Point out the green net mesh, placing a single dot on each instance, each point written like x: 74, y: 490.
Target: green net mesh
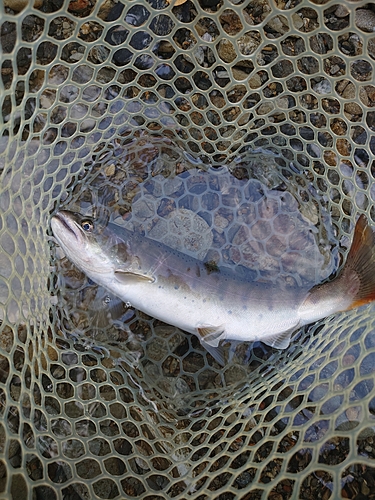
x: 165, y: 112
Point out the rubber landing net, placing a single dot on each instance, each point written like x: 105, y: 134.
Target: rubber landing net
x: 191, y: 121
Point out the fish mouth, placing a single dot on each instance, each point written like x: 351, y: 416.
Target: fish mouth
x: 65, y: 219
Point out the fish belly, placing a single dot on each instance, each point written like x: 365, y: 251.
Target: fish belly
x: 238, y: 319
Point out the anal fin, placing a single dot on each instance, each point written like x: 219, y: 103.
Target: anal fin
x: 216, y: 352
x: 280, y: 340
x: 210, y: 337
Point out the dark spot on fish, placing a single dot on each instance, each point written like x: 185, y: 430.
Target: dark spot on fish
x: 197, y: 271
x: 244, y: 308
x: 178, y: 282
x: 229, y: 312
x: 122, y: 251
x: 211, y: 267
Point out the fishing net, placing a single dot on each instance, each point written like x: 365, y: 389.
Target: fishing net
x: 239, y: 132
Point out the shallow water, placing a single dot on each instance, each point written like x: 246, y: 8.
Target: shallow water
x: 246, y: 216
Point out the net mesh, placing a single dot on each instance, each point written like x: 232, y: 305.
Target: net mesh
x: 126, y: 105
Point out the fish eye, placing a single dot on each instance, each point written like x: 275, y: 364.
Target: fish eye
x: 87, y: 226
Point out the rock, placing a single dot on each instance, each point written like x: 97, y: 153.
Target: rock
x: 184, y: 230
x: 365, y: 20
x: 341, y: 11
x: 18, y: 5
x: 78, y: 5
x: 226, y: 51
x: 145, y: 207
x: 297, y: 21
x: 323, y: 87
x: 279, y: 24
x: 349, y: 91
x: 248, y: 43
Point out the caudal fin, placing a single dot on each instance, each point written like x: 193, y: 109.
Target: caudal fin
x: 360, y: 263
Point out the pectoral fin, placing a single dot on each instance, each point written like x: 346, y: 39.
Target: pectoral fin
x: 111, y: 311
x: 129, y: 277
x: 209, y: 337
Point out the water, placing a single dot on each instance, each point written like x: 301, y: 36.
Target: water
x: 246, y: 216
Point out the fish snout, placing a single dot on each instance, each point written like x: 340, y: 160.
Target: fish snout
x: 64, y: 226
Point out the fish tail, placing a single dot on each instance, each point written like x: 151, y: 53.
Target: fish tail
x: 359, y: 270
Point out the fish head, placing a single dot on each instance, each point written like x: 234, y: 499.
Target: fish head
x: 87, y: 244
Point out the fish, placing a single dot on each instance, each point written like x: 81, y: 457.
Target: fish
x: 214, y: 303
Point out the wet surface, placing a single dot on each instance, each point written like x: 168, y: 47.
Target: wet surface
x: 265, y: 230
